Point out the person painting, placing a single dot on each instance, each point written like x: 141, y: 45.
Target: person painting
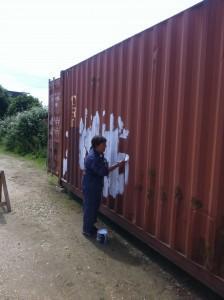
x: 96, y: 167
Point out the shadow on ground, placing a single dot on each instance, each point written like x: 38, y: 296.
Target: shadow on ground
x: 120, y: 252
x: 181, y: 276
x: 2, y: 217
x: 117, y: 251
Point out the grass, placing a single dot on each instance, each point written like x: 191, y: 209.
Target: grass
x: 39, y: 162
x: 53, y: 180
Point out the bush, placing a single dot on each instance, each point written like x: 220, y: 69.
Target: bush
x: 26, y: 132
x: 4, y: 102
x: 22, y: 103
x: 5, y: 124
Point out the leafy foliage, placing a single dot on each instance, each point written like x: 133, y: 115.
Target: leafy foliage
x: 4, y: 102
x: 27, y: 132
x: 22, y: 103
x: 23, y: 124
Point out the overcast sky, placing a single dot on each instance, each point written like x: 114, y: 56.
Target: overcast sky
x: 42, y: 37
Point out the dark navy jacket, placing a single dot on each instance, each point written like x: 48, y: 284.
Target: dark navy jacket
x: 96, y: 167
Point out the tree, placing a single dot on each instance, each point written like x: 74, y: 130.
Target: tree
x: 22, y: 103
x: 4, y: 102
x: 26, y: 132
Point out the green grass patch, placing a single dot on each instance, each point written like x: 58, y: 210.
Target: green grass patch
x: 53, y: 180
x: 39, y: 162
x: 2, y: 150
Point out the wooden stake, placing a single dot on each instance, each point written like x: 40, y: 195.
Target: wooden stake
x: 3, y: 188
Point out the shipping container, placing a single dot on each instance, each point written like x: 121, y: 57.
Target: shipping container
x: 157, y: 97
x: 54, y: 126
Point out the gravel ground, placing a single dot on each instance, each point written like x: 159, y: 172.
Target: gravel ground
x: 43, y: 254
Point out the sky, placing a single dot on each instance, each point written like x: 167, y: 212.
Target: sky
x: 41, y: 38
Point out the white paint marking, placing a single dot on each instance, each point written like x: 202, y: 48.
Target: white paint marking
x: 113, y: 184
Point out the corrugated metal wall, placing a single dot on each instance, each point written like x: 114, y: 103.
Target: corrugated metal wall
x: 54, y: 127
x: 166, y: 84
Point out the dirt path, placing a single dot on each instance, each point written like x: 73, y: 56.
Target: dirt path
x: 43, y: 254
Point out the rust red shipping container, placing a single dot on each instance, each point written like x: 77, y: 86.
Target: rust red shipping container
x: 159, y: 97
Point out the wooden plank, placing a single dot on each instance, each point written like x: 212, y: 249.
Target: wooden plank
x: 6, y: 194
x: 0, y: 187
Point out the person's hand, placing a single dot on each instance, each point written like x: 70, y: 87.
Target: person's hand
x: 121, y: 163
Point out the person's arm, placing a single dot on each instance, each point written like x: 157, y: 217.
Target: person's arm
x: 98, y: 166
x: 118, y: 164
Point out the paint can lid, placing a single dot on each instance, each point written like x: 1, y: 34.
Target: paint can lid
x: 103, y: 231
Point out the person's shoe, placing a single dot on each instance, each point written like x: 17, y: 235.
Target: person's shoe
x: 92, y: 233
x: 95, y: 229
x: 87, y: 234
